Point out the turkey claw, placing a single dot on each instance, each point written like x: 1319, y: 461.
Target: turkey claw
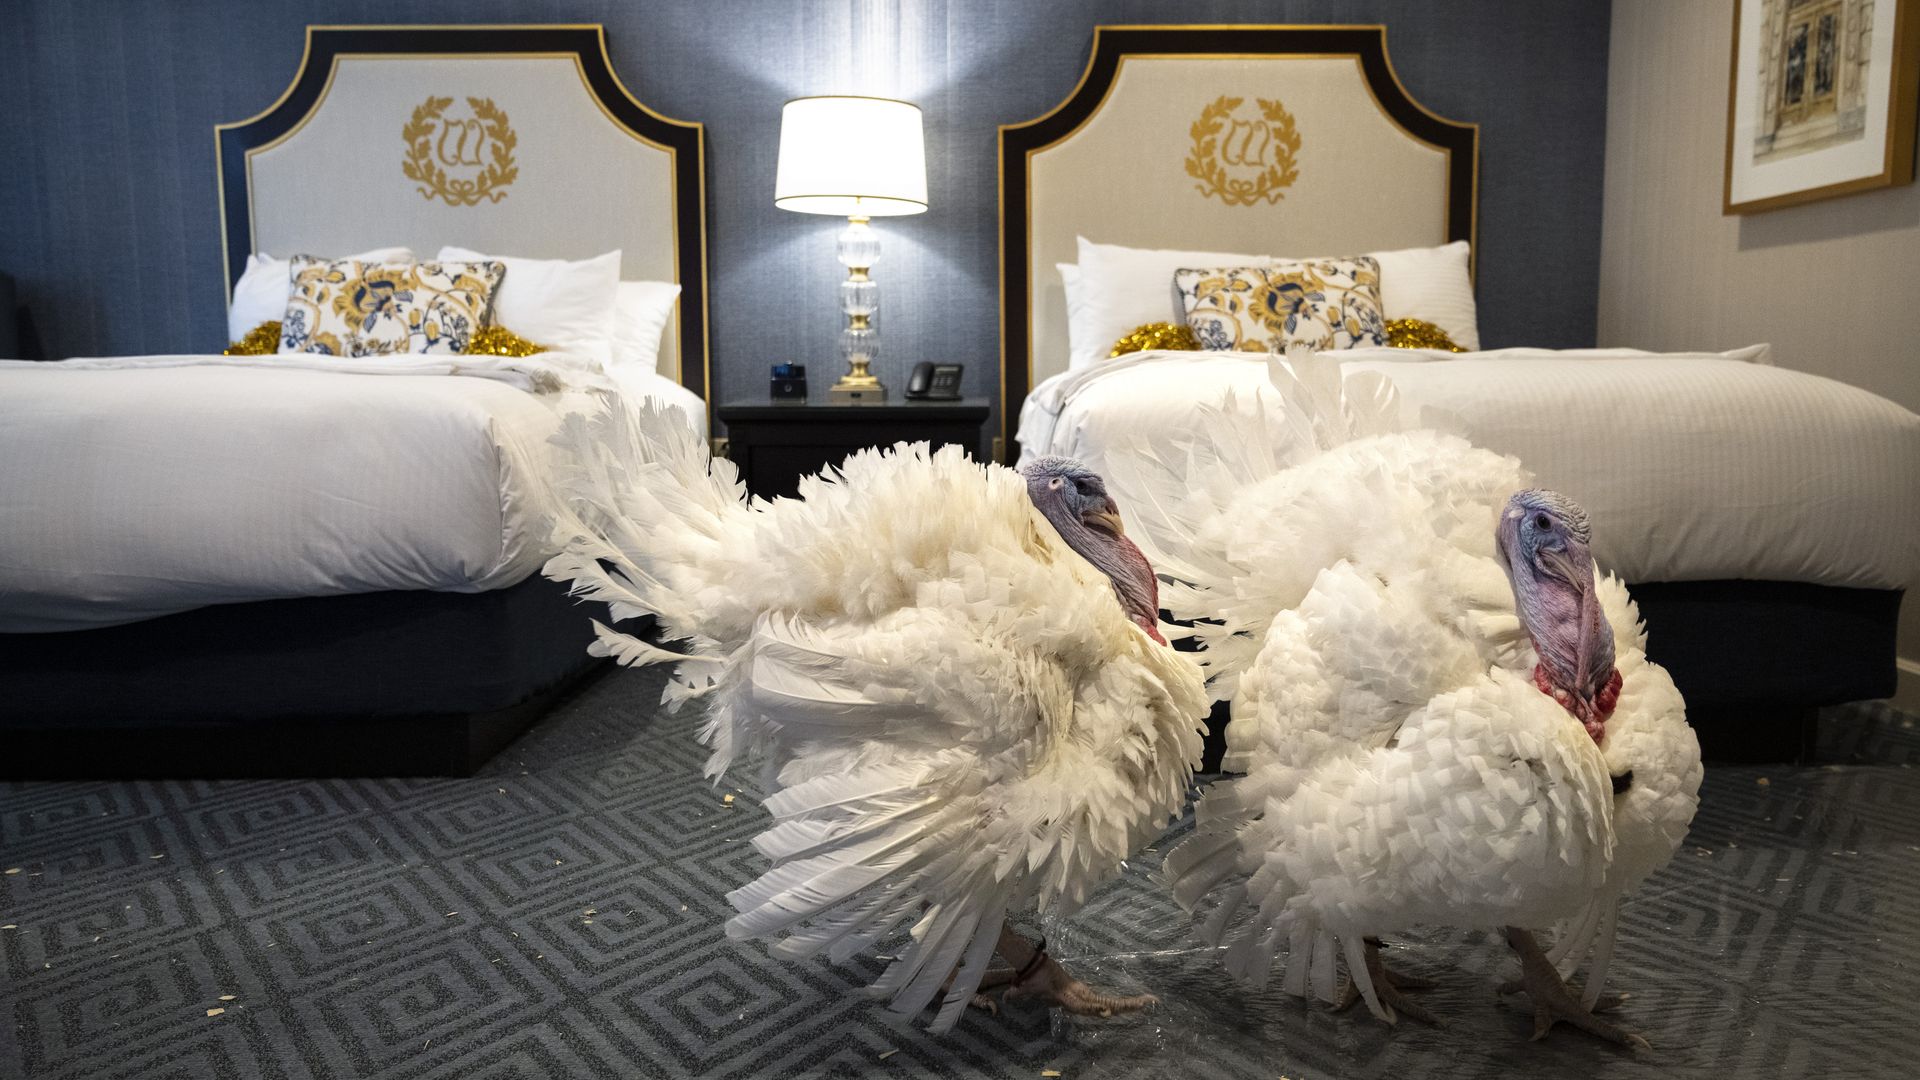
x: 986, y: 1002
x: 1608, y: 1002
x: 1051, y: 983
x: 1552, y: 1005
x: 1554, y: 1001
x: 1546, y: 1015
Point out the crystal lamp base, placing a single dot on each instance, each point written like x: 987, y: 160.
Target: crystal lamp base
x: 858, y: 250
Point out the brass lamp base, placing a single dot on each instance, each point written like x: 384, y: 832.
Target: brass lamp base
x: 858, y: 385
x: 849, y: 392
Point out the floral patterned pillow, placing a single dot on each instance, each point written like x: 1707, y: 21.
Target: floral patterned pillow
x: 350, y: 308
x: 1323, y: 303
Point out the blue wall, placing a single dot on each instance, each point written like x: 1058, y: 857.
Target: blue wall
x: 107, y: 200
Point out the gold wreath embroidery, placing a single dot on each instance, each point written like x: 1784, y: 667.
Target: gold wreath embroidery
x: 1274, y: 137
x: 486, y: 141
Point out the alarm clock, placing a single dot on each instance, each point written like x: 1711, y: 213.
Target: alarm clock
x: 789, y: 382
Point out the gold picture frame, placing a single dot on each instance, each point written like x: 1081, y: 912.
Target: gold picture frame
x: 1825, y: 103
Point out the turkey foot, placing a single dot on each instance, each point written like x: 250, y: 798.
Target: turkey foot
x: 1037, y: 975
x: 1553, y: 1001
x: 1387, y: 986
x: 982, y: 1000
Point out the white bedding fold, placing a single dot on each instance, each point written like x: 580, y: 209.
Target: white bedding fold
x: 1693, y: 466
x: 137, y: 487
x: 542, y: 373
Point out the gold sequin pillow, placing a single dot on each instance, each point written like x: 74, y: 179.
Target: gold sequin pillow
x: 1155, y: 335
x: 262, y: 340
x: 1419, y: 334
x: 500, y: 341
x: 1323, y: 303
x: 350, y: 308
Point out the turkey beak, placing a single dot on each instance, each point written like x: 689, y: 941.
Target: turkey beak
x: 1560, y: 564
x: 1107, y: 520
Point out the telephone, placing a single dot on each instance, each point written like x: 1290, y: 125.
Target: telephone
x: 934, y: 382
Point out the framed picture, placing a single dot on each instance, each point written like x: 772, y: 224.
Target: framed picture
x: 1822, y: 100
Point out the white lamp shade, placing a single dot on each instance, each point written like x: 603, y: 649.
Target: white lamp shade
x: 851, y: 157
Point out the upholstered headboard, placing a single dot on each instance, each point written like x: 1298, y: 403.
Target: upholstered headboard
x: 511, y: 139
x: 1290, y: 140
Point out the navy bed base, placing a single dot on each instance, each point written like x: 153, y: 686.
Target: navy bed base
x: 1755, y: 660
x: 376, y: 684
x: 422, y: 683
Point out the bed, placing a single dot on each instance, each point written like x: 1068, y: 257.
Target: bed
x: 1766, y: 519
x: 309, y: 565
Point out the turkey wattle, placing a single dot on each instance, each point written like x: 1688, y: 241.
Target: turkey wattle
x: 958, y: 719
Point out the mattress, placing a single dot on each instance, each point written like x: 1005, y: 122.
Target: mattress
x: 137, y: 487
x: 1694, y: 466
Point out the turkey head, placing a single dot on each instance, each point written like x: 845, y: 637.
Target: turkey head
x: 1543, y: 539
x: 1075, y: 502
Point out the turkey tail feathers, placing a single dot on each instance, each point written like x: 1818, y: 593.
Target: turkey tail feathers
x: 1172, y: 493
x: 632, y: 652
x: 1169, y: 487
x: 1178, y: 494
x: 1326, y: 408
x: 641, y: 500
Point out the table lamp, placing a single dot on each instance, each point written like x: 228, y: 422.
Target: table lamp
x: 861, y: 157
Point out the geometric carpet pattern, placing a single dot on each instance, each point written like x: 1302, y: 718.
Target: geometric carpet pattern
x: 560, y: 916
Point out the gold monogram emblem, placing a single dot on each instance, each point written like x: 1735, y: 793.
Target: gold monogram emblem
x: 460, y: 159
x: 1244, y: 160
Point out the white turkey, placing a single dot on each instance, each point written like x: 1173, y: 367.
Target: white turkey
x: 1440, y: 720
x: 955, y: 674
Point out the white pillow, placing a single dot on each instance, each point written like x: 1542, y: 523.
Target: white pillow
x: 641, y: 311
x: 1078, y: 328
x: 1431, y: 284
x: 558, y: 303
x: 1120, y: 287
x: 261, y: 293
x: 1123, y: 287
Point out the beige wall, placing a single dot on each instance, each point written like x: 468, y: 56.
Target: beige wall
x: 1833, y: 285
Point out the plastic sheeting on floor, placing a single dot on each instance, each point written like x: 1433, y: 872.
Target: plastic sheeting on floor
x: 562, y: 916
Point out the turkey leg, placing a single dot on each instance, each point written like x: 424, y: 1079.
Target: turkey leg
x: 1034, y: 974
x: 1552, y: 1000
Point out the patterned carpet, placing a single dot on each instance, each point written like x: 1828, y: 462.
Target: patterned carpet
x: 561, y: 916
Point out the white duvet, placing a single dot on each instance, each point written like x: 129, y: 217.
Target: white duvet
x: 1693, y: 466
x: 132, y: 487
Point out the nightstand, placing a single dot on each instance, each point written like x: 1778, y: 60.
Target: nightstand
x: 775, y: 444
